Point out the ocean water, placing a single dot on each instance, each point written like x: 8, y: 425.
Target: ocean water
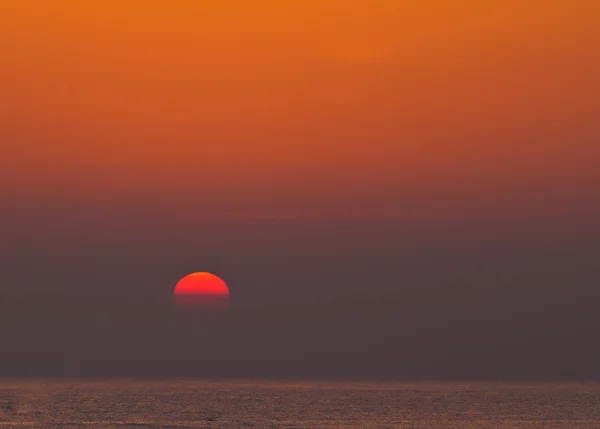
x: 256, y: 404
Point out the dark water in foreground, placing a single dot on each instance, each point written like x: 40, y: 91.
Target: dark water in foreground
x: 195, y: 404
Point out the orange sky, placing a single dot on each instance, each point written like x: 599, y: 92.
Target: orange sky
x: 322, y: 106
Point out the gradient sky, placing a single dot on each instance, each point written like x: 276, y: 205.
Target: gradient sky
x: 388, y: 106
x: 391, y: 188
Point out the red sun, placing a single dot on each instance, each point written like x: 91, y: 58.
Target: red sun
x: 201, y: 290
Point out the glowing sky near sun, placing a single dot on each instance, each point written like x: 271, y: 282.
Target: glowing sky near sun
x: 386, y: 107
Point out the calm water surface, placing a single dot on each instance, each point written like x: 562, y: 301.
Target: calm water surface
x: 211, y: 404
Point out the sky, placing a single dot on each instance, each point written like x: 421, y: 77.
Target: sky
x: 391, y: 189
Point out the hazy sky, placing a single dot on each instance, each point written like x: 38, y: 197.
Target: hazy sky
x: 390, y: 188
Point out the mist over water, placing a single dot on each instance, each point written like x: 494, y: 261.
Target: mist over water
x: 382, y: 299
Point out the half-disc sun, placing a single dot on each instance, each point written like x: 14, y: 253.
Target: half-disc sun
x: 201, y: 290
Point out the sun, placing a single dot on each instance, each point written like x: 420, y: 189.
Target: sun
x: 201, y: 290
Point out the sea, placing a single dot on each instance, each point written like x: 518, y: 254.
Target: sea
x: 123, y: 404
